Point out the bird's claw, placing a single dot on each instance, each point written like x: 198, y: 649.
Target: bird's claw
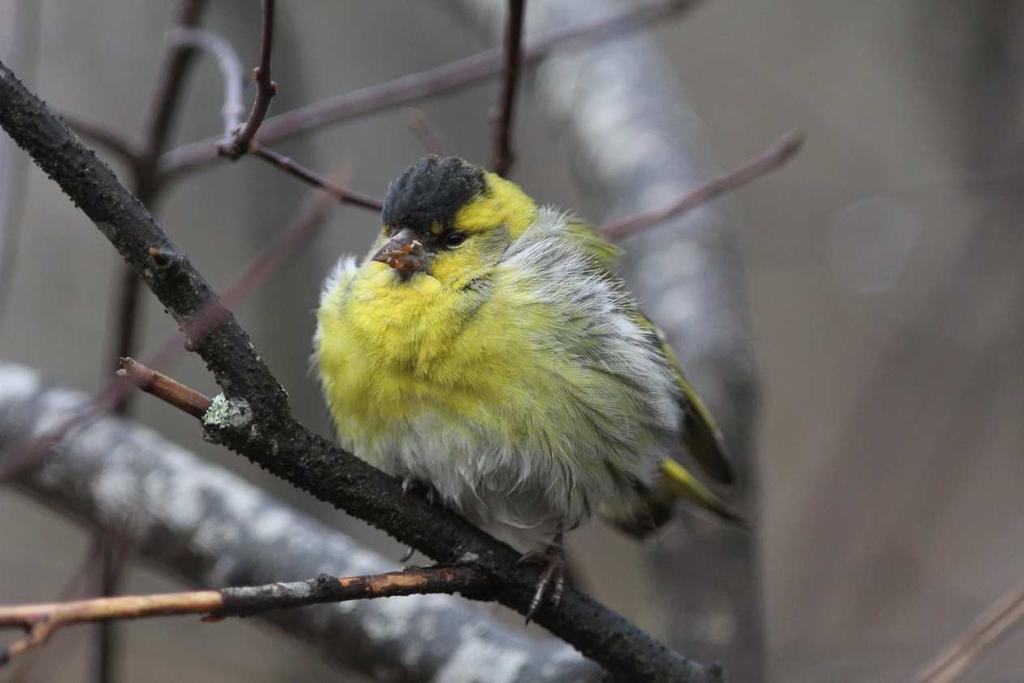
x: 552, y: 578
x: 410, y: 483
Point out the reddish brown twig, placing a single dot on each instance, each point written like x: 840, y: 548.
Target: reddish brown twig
x: 293, y: 168
x: 40, y: 621
x: 406, y: 89
x: 501, y: 146
x: 780, y: 151
x: 420, y: 126
x: 265, y: 91
x: 163, y: 387
x: 997, y: 622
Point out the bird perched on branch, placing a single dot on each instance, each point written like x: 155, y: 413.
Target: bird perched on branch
x: 486, y: 349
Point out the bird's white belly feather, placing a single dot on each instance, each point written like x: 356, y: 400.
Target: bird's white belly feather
x: 506, y: 492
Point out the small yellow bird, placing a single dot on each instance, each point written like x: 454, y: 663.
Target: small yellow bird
x: 486, y: 348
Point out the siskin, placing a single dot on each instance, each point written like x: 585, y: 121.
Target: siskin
x: 486, y: 349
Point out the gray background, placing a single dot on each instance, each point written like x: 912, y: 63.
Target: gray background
x: 882, y: 272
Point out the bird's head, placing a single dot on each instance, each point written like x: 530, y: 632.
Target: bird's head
x: 450, y: 220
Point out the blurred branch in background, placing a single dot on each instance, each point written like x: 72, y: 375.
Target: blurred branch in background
x: 630, y: 136
x: 501, y: 145
x: 998, y: 621
x: 211, y: 528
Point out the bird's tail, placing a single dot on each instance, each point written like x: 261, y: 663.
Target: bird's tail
x: 654, y: 506
x: 677, y: 481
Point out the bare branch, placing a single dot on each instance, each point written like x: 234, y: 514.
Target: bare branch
x: 41, y: 621
x: 501, y: 146
x: 994, y: 625
x: 293, y: 168
x: 230, y: 68
x: 780, y: 151
x: 287, y: 449
x: 265, y: 91
x: 163, y: 387
x: 442, y: 79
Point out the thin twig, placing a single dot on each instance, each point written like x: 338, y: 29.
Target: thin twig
x: 441, y: 79
x: 163, y: 387
x: 230, y: 68
x: 780, y: 151
x: 994, y: 625
x: 265, y: 91
x: 292, y: 167
x: 501, y: 152
x: 420, y: 126
x: 126, y: 149
x: 41, y: 621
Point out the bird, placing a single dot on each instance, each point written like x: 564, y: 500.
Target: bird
x: 486, y: 349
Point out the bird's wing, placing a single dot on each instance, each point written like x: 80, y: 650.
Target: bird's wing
x: 600, y: 251
x: 701, y: 435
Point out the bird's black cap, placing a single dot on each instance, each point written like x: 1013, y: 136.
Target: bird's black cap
x: 432, y: 191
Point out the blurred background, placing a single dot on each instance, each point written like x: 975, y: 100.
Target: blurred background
x: 882, y: 272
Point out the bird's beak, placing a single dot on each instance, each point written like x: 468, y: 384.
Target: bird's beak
x: 403, y: 252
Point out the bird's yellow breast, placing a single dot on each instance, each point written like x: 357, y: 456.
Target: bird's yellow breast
x: 391, y: 351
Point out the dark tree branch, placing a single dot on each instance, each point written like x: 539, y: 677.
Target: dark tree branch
x: 265, y: 91
x: 41, y: 621
x: 442, y: 79
x: 501, y: 147
x: 780, y: 151
x: 252, y: 397
x: 293, y: 168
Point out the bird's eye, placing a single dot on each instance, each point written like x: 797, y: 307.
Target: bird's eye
x: 454, y: 238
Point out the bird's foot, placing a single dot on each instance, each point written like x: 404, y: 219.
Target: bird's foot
x: 552, y: 578
x: 411, y: 484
